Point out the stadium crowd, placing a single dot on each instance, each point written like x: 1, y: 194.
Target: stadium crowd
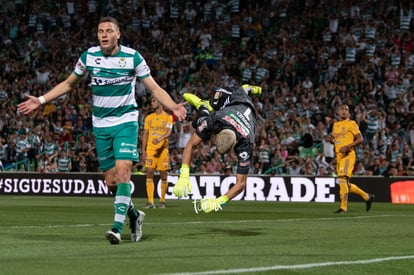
x: 308, y: 56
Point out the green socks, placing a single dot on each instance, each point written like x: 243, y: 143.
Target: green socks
x: 121, y: 204
x: 132, y: 212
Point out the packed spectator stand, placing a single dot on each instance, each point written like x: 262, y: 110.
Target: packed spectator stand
x: 308, y: 57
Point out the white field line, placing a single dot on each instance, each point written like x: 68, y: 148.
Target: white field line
x: 204, y: 222
x: 297, y: 266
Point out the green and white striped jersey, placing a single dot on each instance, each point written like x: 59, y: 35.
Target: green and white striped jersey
x: 63, y: 164
x: 113, y: 83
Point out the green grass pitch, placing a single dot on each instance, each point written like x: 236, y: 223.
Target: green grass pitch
x: 65, y: 235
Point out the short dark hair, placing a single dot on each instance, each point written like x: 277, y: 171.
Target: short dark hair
x: 109, y: 19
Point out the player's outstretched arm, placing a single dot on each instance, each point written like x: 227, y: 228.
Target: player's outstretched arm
x: 33, y: 102
x: 164, y: 98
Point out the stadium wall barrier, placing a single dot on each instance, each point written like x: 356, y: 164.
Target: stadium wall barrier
x: 259, y: 187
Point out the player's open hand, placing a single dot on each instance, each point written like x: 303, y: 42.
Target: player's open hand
x: 29, y: 105
x: 181, y: 112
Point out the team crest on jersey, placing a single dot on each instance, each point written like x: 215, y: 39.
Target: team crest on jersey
x: 122, y: 62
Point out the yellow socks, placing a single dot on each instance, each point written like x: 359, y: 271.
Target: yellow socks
x: 150, y: 190
x: 356, y: 190
x: 164, y: 187
x: 343, y: 193
x: 345, y: 189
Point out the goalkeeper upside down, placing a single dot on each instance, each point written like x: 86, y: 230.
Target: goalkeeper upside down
x: 230, y: 116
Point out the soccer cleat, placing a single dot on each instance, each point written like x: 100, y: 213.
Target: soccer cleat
x: 368, y: 203
x: 162, y: 205
x: 197, y: 102
x: 257, y: 90
x: 207, y: 205
x: 149, y: 205
x: 252, y: 90
x: 340, y: 211
x: 113, y: 236
x: 136, y: 227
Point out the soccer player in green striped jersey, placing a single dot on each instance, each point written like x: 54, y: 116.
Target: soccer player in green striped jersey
x: 113, y: 70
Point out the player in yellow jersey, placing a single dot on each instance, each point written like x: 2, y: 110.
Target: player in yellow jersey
x: 155, y: 154
x: 345, y: 136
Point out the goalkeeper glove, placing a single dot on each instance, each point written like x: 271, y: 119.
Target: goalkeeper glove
x: 210, y: 205
x: 183, y: 186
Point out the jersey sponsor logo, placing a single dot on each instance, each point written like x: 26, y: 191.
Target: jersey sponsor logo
x: 239, y: 128
x: 159, y: 130
x: 243, y: 117
x: 128, y: 151
x: 104, y: 82
x: 128, y: 144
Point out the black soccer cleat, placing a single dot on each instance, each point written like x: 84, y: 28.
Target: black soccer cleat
x: 368, y: 203
x: 340, y: 211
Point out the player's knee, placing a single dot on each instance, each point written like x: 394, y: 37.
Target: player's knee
x: 225, y: 141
